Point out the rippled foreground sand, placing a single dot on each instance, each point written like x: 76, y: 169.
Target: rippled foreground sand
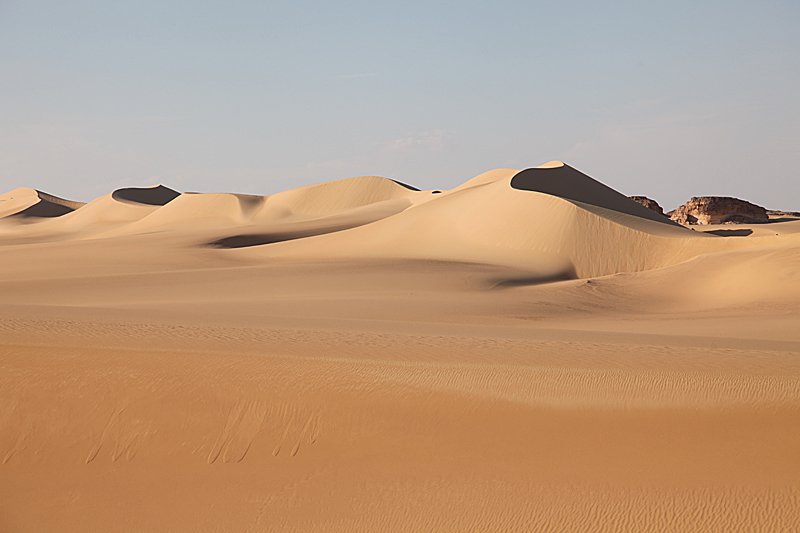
x: 492, y: 371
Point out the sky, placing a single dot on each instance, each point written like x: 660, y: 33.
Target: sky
x: 668, y: 99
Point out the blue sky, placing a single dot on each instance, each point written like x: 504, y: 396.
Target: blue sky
x: 668, y: 99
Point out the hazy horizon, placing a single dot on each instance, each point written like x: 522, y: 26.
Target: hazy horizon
x: 670, y: 102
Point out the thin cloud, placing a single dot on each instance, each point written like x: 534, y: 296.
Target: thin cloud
x: 433, y: 140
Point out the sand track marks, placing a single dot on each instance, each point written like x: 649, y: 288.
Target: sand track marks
x: 247, y: 419
x: 123, y: 437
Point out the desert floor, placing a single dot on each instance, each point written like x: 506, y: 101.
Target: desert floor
x: 366, y: 379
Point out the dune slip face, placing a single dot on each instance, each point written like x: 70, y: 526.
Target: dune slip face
x: 23, y: 203
x: 557, y: 179
x: 529, y: 351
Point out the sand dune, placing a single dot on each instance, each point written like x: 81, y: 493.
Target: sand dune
x: 237, y: 220
x: 195, y: 210
x: 557, y: 179
x: 298, y: 227
x: 550, y: 235
x: 24, y: 203
x: 100, y: 214
x: 528, y: 351
x: 120, y: 207
x: 490, y: 176
x: 337, y: 196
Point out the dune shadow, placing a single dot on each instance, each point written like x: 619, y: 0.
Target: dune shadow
x: 159, y: 195
x: 571, y: 184
x: 406, y: 185
x: 529, y: 281
x: 731, y: 232
x: 245, y: 241
x: 508, y: 282
x: 259, y: 239
x: 44, y: 209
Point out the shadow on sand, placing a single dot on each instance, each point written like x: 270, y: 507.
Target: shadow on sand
x: 571, y: 184
x: 731, y: 232
x: 159, y: 195
x: 259, y: 239
x: 44, y: 209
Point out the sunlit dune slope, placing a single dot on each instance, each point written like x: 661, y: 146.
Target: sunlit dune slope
x: 594, y: 232
x: 301, y: 212
x: 552, y: 222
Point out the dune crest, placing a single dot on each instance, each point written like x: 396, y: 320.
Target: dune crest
x: 236, y: 220
x: 555, y: 163
x: 489, y: 176
x: 332, y: 197
x: 198, y: 210
x: 25, y: 202
x: 104, y: 213
x: 559, y: 179
x: 556, y: 223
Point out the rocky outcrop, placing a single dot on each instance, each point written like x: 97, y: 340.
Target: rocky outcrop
x: 649, y: 203
x: 718, y: 210
x: 775, y: 213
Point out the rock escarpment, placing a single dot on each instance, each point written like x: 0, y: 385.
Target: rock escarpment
x: 649, y: 203
x: 778, y: 213
x: 718, y: 210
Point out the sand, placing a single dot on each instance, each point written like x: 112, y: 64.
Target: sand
x: 28, y: 205
x: 524, y: 352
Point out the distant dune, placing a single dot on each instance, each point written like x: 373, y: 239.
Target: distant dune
x: 566, y: 233
x: 528, y: 351
x: 551, y: 221
x: 30, y: 203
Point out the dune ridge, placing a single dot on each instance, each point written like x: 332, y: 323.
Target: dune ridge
x: 31, y: 203
x: 492, y: 222
x: 305, y: 211
x: 336, y: 196
x: 551, y: 221
x: 559, y: 179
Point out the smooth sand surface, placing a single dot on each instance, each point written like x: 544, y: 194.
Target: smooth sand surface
x: 361, y: 356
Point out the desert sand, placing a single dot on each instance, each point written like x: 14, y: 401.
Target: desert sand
x: 528, y: 351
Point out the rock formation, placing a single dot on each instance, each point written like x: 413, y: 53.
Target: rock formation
x: 718, y: 210
x: 649, y: 203
x: 778, y: 213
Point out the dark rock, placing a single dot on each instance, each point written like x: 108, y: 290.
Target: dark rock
x: 718, y: 210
